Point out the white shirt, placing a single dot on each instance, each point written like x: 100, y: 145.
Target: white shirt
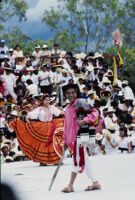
x: 128, y: 92
x: 3, y: 51
x: 10, y: 82
x: 37, y: 55
x: 123, y: 142
x: 33, y: 89
x: 44, y: 75
x: 18, y: 53
x: 63, y: 78
x: 109, y: 121
x: 46, y: 53
x: 32, y: 77
x: 108, y: 148
x: 12, y: 59
x: 44, y: 114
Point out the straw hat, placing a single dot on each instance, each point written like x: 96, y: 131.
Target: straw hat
x: 90, y: 92
x: 130, y: 133
x: 77, y: 56
x: 110, y: 109
x: 106, y: 133
x: 44, y: 46
x: 52, y: 99
x: 8, y: 68
x: 18, y: 154
x: 82, y: 55
x: 98, y: 55
x: 112, y: 127
x: 14, y: 113
x: 7, y: 141
x: 120, y: 93
x: 37, y: 47
x: 62, y: 54
x: 98, y: 136
x: 30, y: 68
x: 90, y: 68
x: 4, y: 145
x: 6, y: 56
x: 9, y: 158
x: 11, y: 50
x: 125, y: 82
x: 106, y: 80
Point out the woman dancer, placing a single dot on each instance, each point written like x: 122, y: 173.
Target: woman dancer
x: 41, y: 137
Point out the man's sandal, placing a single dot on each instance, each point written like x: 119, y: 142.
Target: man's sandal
x: 90, y: 188
x: 68, y: 189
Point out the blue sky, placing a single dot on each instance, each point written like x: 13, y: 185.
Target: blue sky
x: 33, y: 26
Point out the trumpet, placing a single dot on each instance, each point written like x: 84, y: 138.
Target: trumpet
x: 105, y: 94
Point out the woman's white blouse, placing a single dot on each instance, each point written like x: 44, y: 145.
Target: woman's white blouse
x: 123, y: 143
x: 43, y: 114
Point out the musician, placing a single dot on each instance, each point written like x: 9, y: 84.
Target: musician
x: 77, y: 117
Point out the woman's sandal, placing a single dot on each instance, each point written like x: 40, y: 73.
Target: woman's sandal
x: 90, y: 188
x: 68, y: 189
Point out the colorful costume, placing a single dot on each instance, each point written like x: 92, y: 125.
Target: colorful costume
x: 41, y: 141
x: 71, y: 129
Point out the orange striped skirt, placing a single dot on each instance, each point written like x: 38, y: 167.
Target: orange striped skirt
x: 34, y: 139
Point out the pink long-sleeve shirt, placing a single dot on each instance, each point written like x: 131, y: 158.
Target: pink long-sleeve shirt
x: 71, y: 125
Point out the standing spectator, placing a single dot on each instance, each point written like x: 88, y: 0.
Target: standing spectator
x: 3, y: 50
x: 44, y: 80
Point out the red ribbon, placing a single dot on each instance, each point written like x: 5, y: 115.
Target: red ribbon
x: 51, y: 134
x: 81, y: 155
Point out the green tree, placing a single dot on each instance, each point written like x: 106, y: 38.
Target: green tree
x: 10, y: 8
x: 91, y: 22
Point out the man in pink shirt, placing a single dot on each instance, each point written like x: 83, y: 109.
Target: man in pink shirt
x: 72, y: 127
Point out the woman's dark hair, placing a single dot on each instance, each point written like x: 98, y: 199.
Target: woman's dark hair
x: 125, y: 131
x: 29, y: 82
x: 46, y: 96
x: 17, y: 46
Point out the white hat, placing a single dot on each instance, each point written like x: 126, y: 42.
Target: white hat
x: 14, y: 113
x: 11, y: 49
x: 90, y: 68
x: 37, y: 47
x: 106, y: 133
x: 65, y: 71
x: 44, y: 46
x: 52, y: 99
x: 9, y: 158
x: 60, y: 59
x: 106, y: 80
x: 125, y: 82
x: 77, y: 56
x: 6, y: 56
x: 98, y: 55
x: 112, y: 127
x: 130, y: 133
x: 82, y: 55
x: 30, y: 68
x: 90, y: 92
x: 54, y: 93
x: 62, y: 54
x: 98, y: 136
x: 110, y: 109
x: 7, y: 141
x: 4, y: 145
x: 120, y: 93
x: 18, y: 154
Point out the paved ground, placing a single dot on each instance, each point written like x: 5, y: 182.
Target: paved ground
x: 116, y: 173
